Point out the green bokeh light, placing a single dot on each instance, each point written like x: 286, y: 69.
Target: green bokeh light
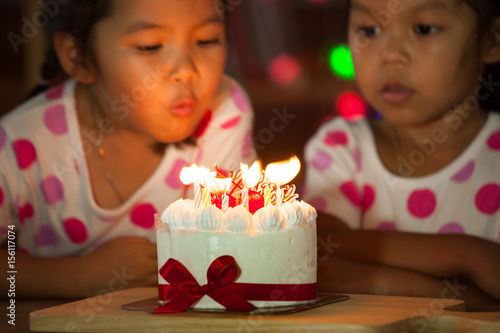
x: 341, y: 62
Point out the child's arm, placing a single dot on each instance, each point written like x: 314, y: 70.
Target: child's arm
x: 123, y: 263
x: 436, y: 256
x: 340, y: 274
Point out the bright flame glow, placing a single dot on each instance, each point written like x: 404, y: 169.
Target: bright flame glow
x: 251, y: 176
x: 197, y: 175
x: 219, y: 184
x: 281, y: 173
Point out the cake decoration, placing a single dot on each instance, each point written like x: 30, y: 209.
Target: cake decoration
x: 244, y: 242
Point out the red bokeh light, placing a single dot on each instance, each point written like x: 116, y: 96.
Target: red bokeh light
x: 351, y: 106
x: 284, y: 69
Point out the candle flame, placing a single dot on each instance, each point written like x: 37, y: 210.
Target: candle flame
x: 219, y: 184
x: 283, y: 172
x: 197, y: 175
x: 251, y: 176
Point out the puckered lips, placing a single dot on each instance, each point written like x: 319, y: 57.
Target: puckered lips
x: 183, y: 108
x: 396, y: 93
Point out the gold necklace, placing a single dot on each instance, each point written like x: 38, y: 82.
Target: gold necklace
x: 100, y: 150
x: 397, y: 145
x: 397, y: 149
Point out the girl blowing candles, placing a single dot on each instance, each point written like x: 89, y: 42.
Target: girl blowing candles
x: 428, y: 169
x: 85, y: 165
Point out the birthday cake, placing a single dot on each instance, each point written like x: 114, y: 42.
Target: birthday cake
x: 244, y: 242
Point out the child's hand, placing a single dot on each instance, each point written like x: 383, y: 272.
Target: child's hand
x: 122, y: 263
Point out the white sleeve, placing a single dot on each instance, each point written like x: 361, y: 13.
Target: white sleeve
x: 8, y: 215
x: 332, y: 181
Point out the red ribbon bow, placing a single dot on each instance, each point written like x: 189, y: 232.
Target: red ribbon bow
x: 186, y: 291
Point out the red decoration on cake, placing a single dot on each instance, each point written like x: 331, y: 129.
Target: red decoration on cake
x: 187, y: 291
x: 255, y: 201
x: 251, y: 187
x: 183, y: 290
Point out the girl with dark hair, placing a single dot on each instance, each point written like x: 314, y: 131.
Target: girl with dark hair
x: 412, y: 199
x: 87, y: 163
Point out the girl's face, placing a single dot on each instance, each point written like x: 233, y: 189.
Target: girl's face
x: 414, y: 59
x: 159, y: 64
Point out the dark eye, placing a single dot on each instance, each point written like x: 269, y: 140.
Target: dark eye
x: 149, y: 48
x: 369, y: 31
x: 425, y: 29
x: 207, y: 42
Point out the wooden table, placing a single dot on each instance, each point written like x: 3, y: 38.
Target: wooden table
x: 361, y: 313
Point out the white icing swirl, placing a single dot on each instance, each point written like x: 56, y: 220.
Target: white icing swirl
x: 176, y: 216
x: 208, y: 219
x: 268, y: 219
x: 237, y: 220
x: 181, y: 214
x: 309, y: 212
x: 293, y: 216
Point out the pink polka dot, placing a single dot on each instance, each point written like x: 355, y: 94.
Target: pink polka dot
x: 321, y: 161
x: 1, y: 196
x: 452, y: 228
x: 55, y: 119
x: 25, y: 153
x: 25, y: 212
x: 239, y: 99
x: 464, y: 174
x: 76, y: 230
x: 247, y: 146
x: 45, y: 236
x: 494, y: 141
x: 55, y: 93
x: 386, y: 225
x: 336, y: 138
x: 351, y: 192
x: 203, y: 125
x: 231, y: 123
x: 173, y: 178
x: 3, y: 138
x: 52, y: 190
x: 488, y: 199
x: 143, y: 216
x: 422, y: 203
x: 368, y: 197
x: 356, y: 154
x: 319, y: 203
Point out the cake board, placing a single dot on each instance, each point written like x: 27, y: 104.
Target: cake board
x: 360, y: 313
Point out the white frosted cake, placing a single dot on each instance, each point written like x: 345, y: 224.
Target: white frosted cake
x: 274, y: 248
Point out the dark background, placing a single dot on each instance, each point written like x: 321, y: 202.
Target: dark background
x: 260, y: 31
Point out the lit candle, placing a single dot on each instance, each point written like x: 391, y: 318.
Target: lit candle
x: 280, y: 173
x: 267, y: 196
x: 225, y: 202
x: 279, y: 195
x: 197, y: 176
x: 206, y: 199
x: 197, y: 195
x: 250, y: 178
x: 244, y: 197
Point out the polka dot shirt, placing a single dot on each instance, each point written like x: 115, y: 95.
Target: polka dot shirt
x: 44, y: 183
x: 346, y: 178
